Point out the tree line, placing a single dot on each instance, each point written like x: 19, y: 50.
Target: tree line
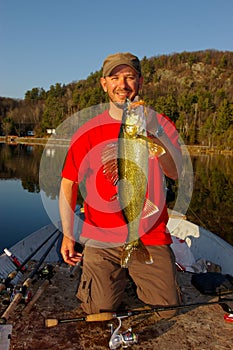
x: 195, y: 89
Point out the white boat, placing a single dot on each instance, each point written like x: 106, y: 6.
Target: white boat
x: 27, y: 246
x: 203, y: 245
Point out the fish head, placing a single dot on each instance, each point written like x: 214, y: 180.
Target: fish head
x: 134, y: 118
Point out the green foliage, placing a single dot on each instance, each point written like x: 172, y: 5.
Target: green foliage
x: 35, y: 94
x: 55, y: 109
x: 8, y: 126
x: 168, y: 105
x: 224, y: 117
x: 89, y: 92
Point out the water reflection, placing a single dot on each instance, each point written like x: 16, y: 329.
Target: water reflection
x: 21, y: 162
x: 21, y: 208
x: 212, y: 202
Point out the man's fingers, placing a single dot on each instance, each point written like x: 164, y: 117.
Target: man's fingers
x: 70, y: 258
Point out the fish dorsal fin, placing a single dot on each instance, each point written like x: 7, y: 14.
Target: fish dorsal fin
x: 109, y: 161
x: 149, y: 209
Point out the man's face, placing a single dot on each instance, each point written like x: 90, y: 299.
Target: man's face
x: 124, y: 82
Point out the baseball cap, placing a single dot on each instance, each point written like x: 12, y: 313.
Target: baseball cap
x: 112, y: 61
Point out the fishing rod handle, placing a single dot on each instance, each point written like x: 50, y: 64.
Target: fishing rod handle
x: 27, y: 283
x: 51, y: 322
x: 7, y: 281
x: 12, y: 275
x: 16, y: 300
x: 102, y: 316
x: 36, y: 296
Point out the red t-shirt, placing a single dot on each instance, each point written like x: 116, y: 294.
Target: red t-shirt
x: 104, y: 220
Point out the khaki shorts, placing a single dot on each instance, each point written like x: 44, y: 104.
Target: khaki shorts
x: 103, y: 280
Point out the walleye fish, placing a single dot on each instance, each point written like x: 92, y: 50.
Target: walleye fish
x: 133, y: 174
x: 131, y: 177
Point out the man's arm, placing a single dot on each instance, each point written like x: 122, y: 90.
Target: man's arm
x: 67, y: 203
x: 171, y: 161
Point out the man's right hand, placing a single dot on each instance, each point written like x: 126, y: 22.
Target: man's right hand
x: 70, y: 256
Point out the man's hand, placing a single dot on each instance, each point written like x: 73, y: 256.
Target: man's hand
x: 70, y: 256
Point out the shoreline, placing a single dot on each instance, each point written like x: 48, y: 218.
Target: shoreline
x: 193, y: 149
x: 14, y: 140
x: 198, y: 150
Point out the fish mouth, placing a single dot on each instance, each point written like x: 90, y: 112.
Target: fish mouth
x: 135, y: 104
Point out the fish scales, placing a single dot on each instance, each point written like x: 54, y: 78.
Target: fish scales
x: 132, y: 186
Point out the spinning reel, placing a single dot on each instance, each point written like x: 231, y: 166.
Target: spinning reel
x: 123, y: 339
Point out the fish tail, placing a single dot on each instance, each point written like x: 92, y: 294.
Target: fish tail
x: 139, y: 249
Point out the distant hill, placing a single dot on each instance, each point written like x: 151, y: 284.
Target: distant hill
x: 195, y: 89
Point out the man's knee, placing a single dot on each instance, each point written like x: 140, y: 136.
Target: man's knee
x: 94, y: 302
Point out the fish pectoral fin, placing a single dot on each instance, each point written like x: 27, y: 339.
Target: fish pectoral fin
x: 155, y: 150
x: 149, y: 209
x: 109, y: 161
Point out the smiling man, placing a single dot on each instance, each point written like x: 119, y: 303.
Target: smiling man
x: 105, y: 229
x: 121, y: 78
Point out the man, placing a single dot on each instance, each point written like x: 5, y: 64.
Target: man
x: 105, y: 230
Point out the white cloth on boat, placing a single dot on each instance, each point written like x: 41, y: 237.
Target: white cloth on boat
x: 183, y: 254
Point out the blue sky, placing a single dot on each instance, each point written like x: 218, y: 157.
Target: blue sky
x: 59, y: 41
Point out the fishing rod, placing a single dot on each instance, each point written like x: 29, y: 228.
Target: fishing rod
x: 19, y: 295
x: 47, y: 274
x: 127, y: 338
x: 20, y: 268
x: 106, y: 316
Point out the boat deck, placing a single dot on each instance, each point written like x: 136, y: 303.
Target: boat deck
x: 199, y: 328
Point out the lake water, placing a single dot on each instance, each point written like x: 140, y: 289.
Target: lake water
x: 23, y: 210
